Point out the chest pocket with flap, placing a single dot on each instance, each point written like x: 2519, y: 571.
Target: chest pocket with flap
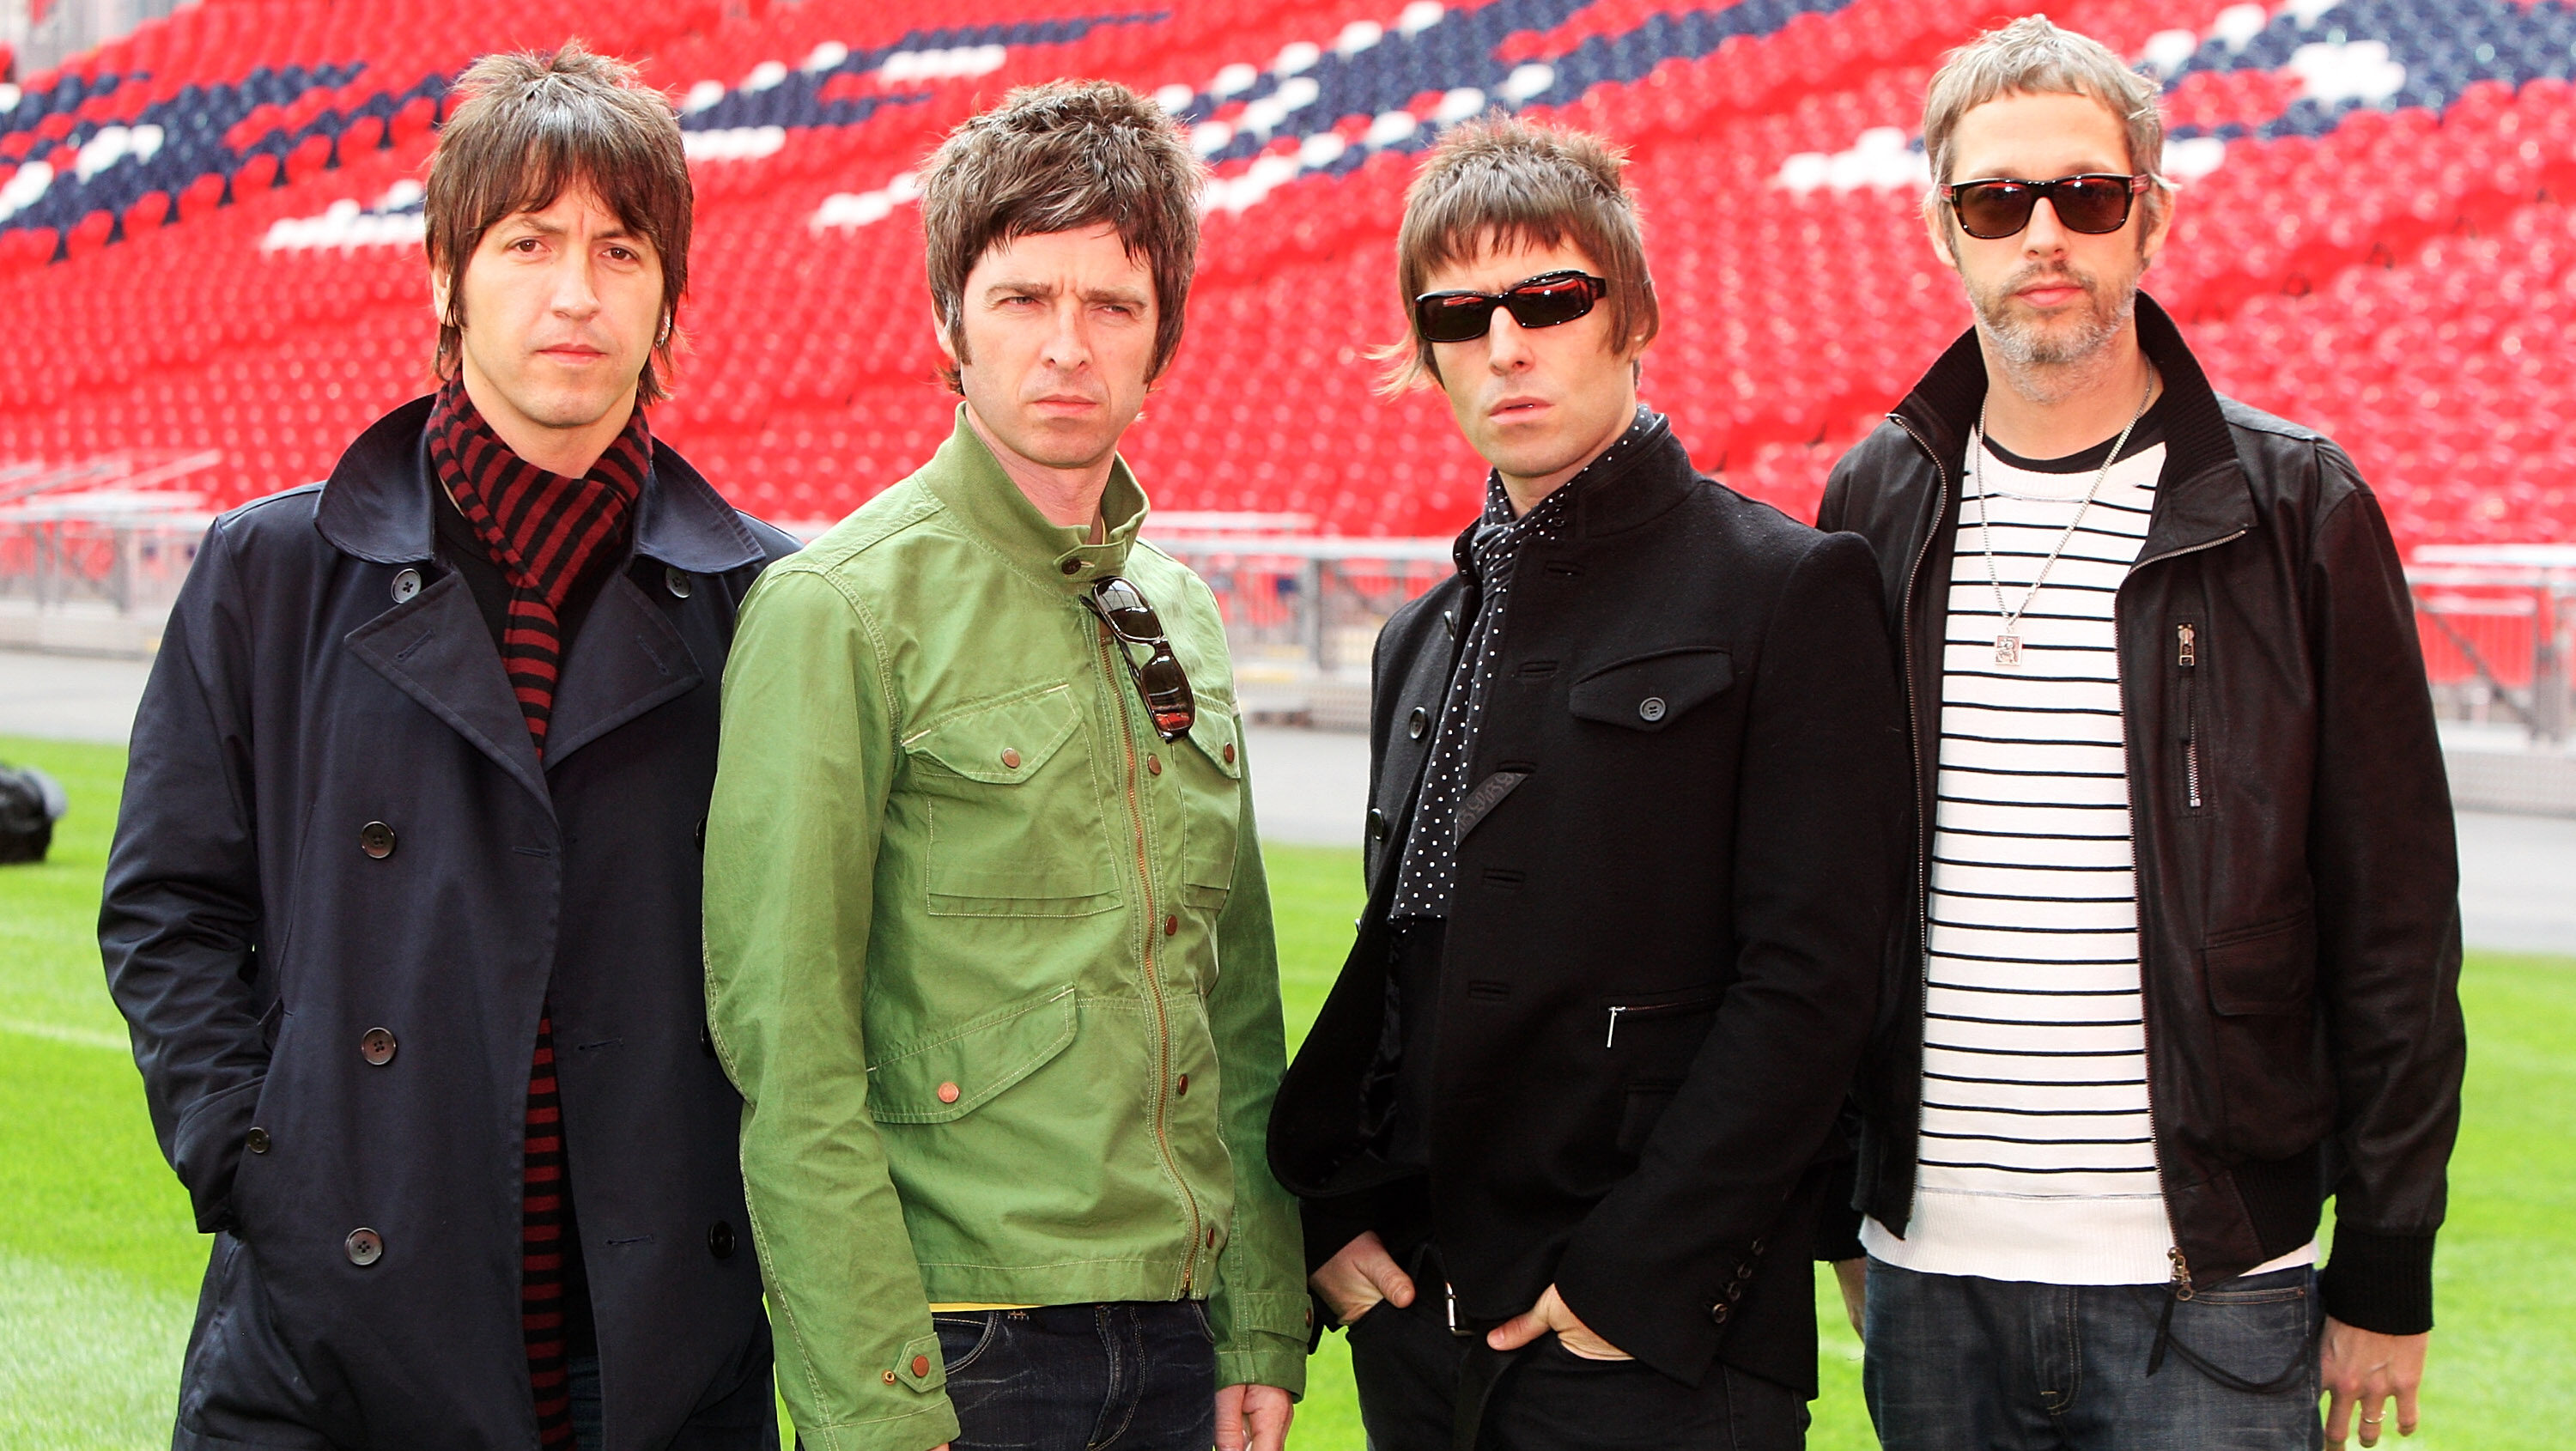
x: 1650, y: 692
x: 1211, y: 783
x: 1015, y: 826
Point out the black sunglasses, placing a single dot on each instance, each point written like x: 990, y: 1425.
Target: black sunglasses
x: 2094, y: 203
x: 1542, y: 301
x: 1160, y: 680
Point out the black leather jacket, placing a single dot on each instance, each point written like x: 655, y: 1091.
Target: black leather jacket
x: 2298, y: 918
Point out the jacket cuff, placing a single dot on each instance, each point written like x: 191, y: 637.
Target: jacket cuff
x: 2382, y: 1283
x: 1262, y: 1359
x: 920, y: 1430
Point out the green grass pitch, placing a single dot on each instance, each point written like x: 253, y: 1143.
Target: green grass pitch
x: 99, y: 1265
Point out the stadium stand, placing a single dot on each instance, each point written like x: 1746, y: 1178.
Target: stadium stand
x: 209, y: 229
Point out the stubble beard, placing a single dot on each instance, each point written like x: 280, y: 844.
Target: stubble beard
x: 2047, y: 360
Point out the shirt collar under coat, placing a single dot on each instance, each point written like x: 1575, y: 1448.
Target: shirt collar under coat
x: 2203, y: 496
x: 1633, y: 480
x: 968, y: 480
x: 377, y: 506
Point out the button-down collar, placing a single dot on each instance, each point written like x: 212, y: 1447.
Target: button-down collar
x: 967, y: 479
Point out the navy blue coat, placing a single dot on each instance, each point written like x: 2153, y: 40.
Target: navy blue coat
x: 336, y: 822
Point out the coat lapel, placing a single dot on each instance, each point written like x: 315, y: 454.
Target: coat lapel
x: 437, y: 650
x: 627, y: 660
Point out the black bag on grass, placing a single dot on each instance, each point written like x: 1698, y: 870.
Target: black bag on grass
x: 30, y: 803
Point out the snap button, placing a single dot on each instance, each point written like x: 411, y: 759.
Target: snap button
x: 365, y: 1247
x: 1010, y: 758
x: 406, y: 585
x: 1449, y: 622
x: 1072, y: 566
x: 1229, y: 753
x: 1153, y: 765
x: 1171, y: 924
x: 948, y: 1093
x: 720, y: 1240
x: 1718, y: 1313
x: 376, y: 839
x: 678, y: 582
x: 1376, y: 824
x: 1182, y: 1088
x: 256, y: 1141
x: 1212, y: 1245
x: 1651, y: 708
x: 376, y: 1046
x: 920, y: 1366
x: 889, y: 1377
x: 1417, y: 724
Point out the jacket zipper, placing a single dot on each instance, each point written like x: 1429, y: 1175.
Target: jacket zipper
x: 2187, y: 658
x: 1914, y: 743
x: 2181, y: 1279
x: 1153, y: 979
x: 1645, y: 1009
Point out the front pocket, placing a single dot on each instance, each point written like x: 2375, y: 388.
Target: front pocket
x: 960, y: 1070
x: 1650, y: 692
x: 1014, y: 825
x: 2267, y: 1039
x: 1211, y: 774
x: 965, y: 1337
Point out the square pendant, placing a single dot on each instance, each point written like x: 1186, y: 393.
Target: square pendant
x: 2007, y: 649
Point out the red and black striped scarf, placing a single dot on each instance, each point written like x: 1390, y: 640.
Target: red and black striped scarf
x: 547, y: 533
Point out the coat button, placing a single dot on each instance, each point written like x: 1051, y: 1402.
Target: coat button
x: 1449, y: 622
x: 376, y: 839
x: 677, y: 581
x: 1651, y: 708
x: 948, y: 1093
x: 376, y: 1046
x: 720, y: 1240
x: 921, y: 1367
x: 1718, y: 1313
x: 1171, y: 924
x: 1182, y: 1088
x: 406, y: 585
x: 1418, y: 724
x: 1153, y: 765
x: 1376, y: 824
x: 1010, y: 758
x: 1229, y: 753
x: 1071, y: 566
x: 256, y: 1141
x: 365, y: 1247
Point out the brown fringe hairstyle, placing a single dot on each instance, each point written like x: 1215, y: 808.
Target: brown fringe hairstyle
x: 1500, y: 181
x: 1058, y: 158
x: 531, y: 125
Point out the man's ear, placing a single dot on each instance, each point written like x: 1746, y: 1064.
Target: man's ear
x: 438, y: 294
x: 1936, y: 229
x: 2160, y: 219
x: 943, y: 331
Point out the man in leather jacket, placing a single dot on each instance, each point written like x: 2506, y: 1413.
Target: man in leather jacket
x: 1633, y: 858
x: 2189, y: 941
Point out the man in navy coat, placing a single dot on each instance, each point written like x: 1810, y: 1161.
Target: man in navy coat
x: 403, y: 907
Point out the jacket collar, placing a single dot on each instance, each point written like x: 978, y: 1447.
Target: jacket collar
x: 376, y: 504
x: 2204, y: 495
x: 1651, y: 474
x: 969, y: 482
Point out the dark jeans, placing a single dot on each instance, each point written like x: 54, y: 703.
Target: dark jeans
x: 1547, y: 1398
x: 1956, y: 1361
x: 1135, y: 1376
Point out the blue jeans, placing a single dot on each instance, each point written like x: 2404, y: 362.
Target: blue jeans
x: 1133, y: 1376
x: 1957, y: 1363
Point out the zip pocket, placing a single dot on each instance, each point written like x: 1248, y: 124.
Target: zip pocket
x: 1697, y: 1000
x: 2187, y: 659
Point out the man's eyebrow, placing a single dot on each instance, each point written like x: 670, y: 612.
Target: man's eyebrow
x: 1127, y: 295
x: 1015, y: 286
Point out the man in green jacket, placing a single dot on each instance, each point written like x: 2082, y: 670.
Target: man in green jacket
x: 988, y: 941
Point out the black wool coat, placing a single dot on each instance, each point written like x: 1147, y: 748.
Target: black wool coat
x: 1686, y: 804
x: 343, y: 885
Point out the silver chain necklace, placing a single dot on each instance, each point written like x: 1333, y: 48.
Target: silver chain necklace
x: 2007, y: 640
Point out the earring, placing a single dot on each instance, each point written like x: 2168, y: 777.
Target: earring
x: 665, y: 335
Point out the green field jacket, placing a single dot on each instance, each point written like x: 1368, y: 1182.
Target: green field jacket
x: 990, y: 961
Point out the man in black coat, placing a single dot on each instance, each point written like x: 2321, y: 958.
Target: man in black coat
x: 1563, y: 1126
x: 403, y: 906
